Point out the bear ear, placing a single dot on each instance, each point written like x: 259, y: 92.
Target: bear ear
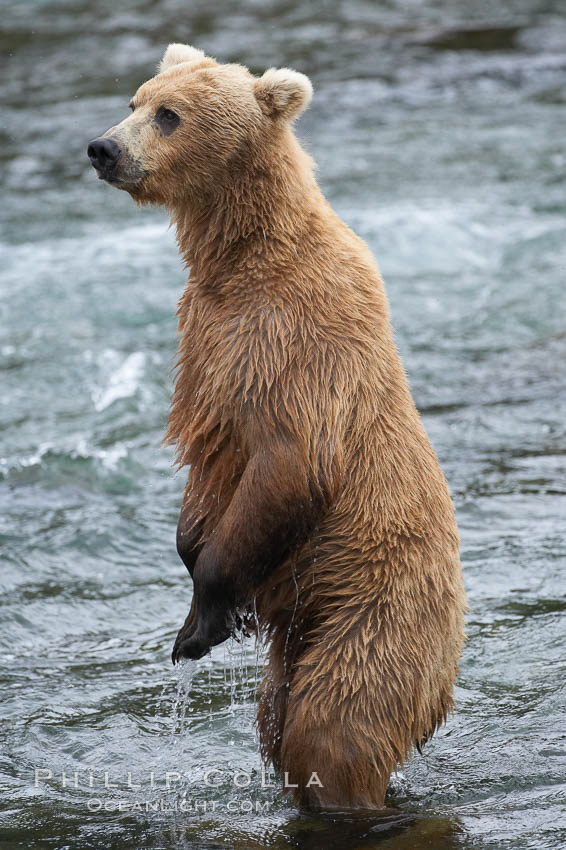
x: 282, y: 93
x: 177, y: 53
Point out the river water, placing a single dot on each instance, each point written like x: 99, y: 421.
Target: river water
x: 439, y: 131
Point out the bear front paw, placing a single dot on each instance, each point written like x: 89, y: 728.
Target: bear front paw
x: 198, y: 637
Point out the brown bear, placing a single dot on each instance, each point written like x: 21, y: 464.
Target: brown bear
x: 313, y: 494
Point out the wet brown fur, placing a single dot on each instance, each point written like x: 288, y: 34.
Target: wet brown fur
x: 312, y: 485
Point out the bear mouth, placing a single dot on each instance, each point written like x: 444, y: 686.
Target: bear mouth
x: 110, y: 177
x: 104, y: 175
x: 119, y: 178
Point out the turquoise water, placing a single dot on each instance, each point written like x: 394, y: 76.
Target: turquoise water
x: 439, y: 132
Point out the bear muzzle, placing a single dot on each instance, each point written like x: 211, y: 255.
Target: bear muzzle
x: 113, y: 162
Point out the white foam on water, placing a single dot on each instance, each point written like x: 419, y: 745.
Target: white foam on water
x: 123, y: 383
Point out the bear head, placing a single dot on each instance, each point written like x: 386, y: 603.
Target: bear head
x: 191, y: 123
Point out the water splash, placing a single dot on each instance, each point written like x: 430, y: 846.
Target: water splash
x: 185, y: 672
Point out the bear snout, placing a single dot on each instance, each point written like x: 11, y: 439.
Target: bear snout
x: 103, y: 154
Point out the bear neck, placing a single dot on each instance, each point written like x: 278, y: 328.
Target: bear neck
x: 260, y: 210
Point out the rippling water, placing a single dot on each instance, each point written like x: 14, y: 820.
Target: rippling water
x: 439, y: 132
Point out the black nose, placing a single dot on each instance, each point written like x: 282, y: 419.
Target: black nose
x: 103, y: 154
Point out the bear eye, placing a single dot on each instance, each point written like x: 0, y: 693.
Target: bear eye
x: 166, y: 120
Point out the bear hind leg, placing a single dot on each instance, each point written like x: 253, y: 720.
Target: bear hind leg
x: 327, y: 763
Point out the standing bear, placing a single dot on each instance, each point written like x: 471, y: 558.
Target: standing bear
x: 314, y: 498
